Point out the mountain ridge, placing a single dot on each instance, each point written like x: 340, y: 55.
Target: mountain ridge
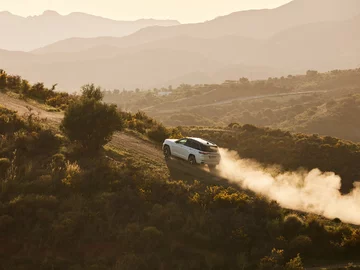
x: 32, y: 32
x: 259, y: 24
x: 144, y: 60
x: 180, y: 59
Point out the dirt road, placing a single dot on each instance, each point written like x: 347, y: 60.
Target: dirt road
x: 23, y: 107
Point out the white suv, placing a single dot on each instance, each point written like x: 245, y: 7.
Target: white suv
x: 194, y: 150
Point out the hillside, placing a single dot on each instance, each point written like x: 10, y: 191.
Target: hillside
x: 116, y: 209
x: 26, y: 34
x: 336, y: 117
x: 312, y: 103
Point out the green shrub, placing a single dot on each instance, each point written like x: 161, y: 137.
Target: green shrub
x: 274, y: 261
x: 5, y: 222
x: 34, y: 201
x: 292, y: 225
x: 5, y: 164
x: 158, y: 133
x: 9, y: 121
x: 250, y: 128
x: 91, y: 122
x: 300, y: 244
x: 25, y: 88
x: 294, y: 264
x: 72, y: 175
x: 151, y: 237
x: 89, y: 91
x: 175, y: 133
x: 36, y: 91
x: 59, y: 100
x: 14, y: 83
x: 3, y: 78
x: 40, y: 92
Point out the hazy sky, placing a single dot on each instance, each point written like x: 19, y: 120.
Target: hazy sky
x: 183, y: 10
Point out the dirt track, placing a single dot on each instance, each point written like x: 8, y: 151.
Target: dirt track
x: 23, y: 107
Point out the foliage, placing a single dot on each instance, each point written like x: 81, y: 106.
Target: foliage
x: 37, y: 91
x: 292, y: 226
x: 146, y: 125
x: 91, y: 92
x: 90, y: 121
x: 62, y: 210
x: 9, y: 121
x: 59, y: 210
x: 159, y: 133
x: 294, y: 264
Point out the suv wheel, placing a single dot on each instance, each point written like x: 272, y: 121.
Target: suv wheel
x: 167, y: 152
x: 192, y: 160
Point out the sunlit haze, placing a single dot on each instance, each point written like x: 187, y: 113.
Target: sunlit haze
x: 185, y: 11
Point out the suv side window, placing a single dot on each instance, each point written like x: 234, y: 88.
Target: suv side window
x: 193, y: 144
x: 197, y: 145
x: 183, y: 141
x: 189, y: 143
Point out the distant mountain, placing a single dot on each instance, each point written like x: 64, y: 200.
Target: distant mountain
x: 129, y: 63
x: 37, y: 31
x: 324, y: 46
x: 256, y: 24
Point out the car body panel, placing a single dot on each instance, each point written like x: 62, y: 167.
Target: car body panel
x: 205, y: 152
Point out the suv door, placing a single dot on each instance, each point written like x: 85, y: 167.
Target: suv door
x: 191, y: 147
x: 179, y: 148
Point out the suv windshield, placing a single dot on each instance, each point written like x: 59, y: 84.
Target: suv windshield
x: 209, y: 148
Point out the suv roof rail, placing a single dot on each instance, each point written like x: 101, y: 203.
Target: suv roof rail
x: 207, y: 141
x: 210, y: 142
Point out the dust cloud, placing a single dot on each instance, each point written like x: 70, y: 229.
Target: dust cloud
x: 313, y: 192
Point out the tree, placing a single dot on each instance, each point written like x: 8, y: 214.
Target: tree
x: 312, y: 73
x: 3, y: 77
x: 13, y: 83
x: 89, y: 121
x: 91, y: 92
x: 38, y: 91
x: 244, y: 80
x: 25, y: 87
